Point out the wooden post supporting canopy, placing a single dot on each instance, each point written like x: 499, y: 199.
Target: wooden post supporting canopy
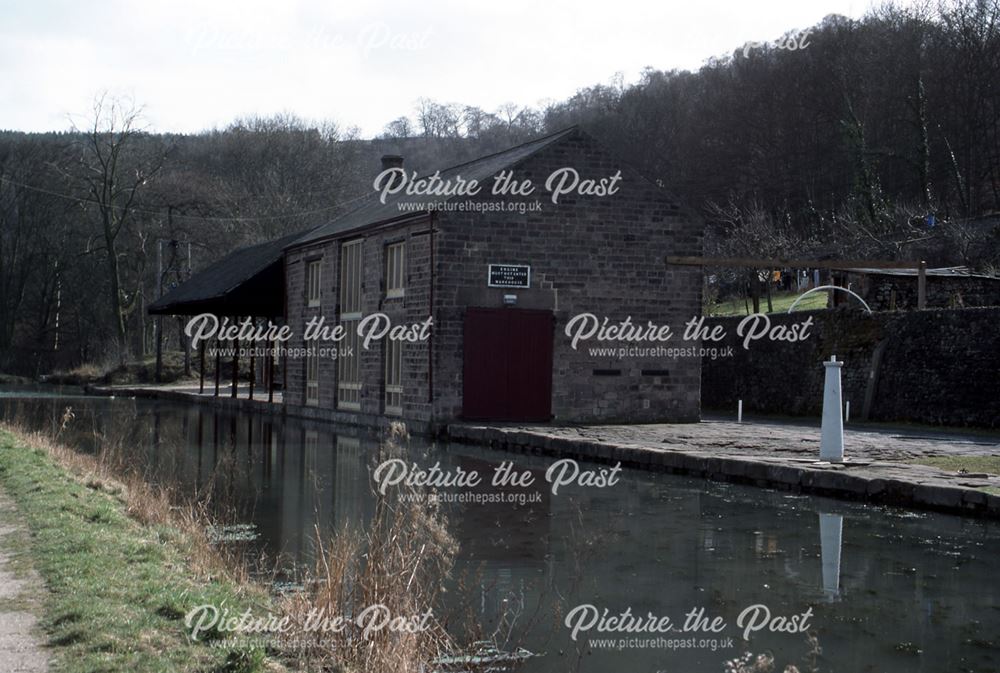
x: 236, y: 366
x: 201, y: 374
x: 218, y: 366
x: 922, y: 285
x: 253, y: 372
x: 270, y: 372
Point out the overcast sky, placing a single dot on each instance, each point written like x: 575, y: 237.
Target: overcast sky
x: 198, y: 64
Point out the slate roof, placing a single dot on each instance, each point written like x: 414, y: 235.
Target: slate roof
x: 213, y: 288
x: 250, y: 280
x: 372, y: 211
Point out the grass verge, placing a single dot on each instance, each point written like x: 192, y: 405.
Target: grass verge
x: 136, y: 371
x: 780, y: 302
x: 987, y: 464
x: 120, y: 573
x: 974, y: 464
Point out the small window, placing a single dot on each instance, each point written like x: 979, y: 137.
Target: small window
x: 395, y: 270
x: 313, y: 283
x: 393, y: 377
x: 312, y: 380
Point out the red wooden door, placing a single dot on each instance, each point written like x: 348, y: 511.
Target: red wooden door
x: 507, y: 374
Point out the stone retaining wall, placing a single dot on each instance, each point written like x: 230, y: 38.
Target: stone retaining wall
x: 912, y: 486
x: 934, y: 366
x: 886, y: 292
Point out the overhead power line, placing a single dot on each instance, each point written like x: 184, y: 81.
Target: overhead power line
x: 208, y: 218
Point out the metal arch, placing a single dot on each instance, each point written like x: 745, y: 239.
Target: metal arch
x: 830, y: 287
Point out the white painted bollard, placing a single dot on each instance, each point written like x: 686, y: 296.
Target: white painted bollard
x: 831, y: 443
x: 831, y: 533
x: 847, y: 411
x: 739, y: 411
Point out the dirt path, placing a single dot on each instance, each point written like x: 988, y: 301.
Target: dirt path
x: 21, y: 649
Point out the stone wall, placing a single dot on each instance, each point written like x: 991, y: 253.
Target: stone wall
x: 588, y: 254
x: 413, y: 307
x: 601, y: 255
x: 933, y: 366
x: 886, y: 292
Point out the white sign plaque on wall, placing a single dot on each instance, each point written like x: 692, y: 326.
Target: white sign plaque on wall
x: 509, y: 275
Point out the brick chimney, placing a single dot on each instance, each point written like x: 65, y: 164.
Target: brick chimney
x: 393, y: 161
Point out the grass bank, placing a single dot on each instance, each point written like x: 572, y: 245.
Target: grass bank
x: 973, y: 464
x: 121, y: 566
x: 780, y: 302
x: 982, y: 464
x: 136, y: 371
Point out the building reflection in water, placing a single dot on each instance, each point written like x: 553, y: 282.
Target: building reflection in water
x: 898, y: 583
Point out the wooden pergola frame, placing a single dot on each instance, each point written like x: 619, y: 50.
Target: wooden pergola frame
x: 839, y: 264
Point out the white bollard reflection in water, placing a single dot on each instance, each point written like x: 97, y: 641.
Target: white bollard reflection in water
x: 831, y: 529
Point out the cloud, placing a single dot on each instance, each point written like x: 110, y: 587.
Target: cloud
x: 195, y: 65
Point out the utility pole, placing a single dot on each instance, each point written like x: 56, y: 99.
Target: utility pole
x: 184, y: 276
x: 158, y: 324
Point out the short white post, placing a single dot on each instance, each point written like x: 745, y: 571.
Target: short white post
x: 831, y: 444
x: 831, y: 532
x: 739, y: 411
x: 847, y: 411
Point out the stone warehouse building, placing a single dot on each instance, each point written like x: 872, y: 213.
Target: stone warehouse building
x: 500, y: 276
x: 500, y: 287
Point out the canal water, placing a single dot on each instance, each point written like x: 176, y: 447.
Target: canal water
x: 885, y: 589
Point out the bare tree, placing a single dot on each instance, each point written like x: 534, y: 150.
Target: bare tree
x: 749, y: 230
x: 401, y: 127
x: 438, y: 120
x: 114, y: 167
